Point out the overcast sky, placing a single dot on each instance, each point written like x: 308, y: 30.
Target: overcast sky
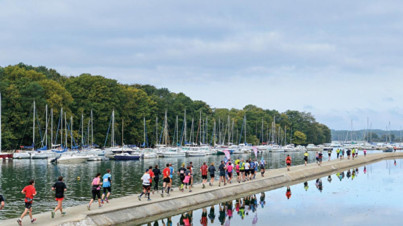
x: 340, y: 60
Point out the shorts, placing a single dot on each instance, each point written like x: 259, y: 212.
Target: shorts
x: 182, y: 177
x: 246, y: 172
x: 320, y: 159
x: 107, y: 189
x: 166, y: 180
x: 1, y: 198
x: 261, y: 167
x: 147, y: 187
x: 237, y: 173
x: 305, y: 158
x: 96, y: 193
x: 204, y: 177
x: 222, y: 174
x: 288, y: 164
x: 229, y: 175
x: 212, y: 175
x: 28, y: 205
x: 59, y: 199
x: 252, y: 171
x: 242, y: 171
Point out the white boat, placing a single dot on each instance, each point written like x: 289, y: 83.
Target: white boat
x: 149, y: 153
x: 22, y: 154
x: 43, y: 155
x: 70, y: 159
x: 173, y: 152
x: 312, y: 147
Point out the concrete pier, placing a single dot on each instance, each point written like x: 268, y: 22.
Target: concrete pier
x: 129, y: 208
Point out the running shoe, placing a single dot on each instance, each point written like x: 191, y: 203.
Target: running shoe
x: 19, y: 222
x: 107, y: 201
x: 204, y: 186
x: 33, y: 220
x: 102, y: 201
x: 139, y: 198
x: 52, y: 214
x: 89, y: 207
x: 162, y: 195
x: 63, y: 214
x: 190, y: 190
x: 148, y: 199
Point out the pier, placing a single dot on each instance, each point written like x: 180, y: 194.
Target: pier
x: 126, y: 209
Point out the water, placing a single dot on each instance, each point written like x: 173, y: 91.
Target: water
x: 15, y: 174
x: 369, y: 195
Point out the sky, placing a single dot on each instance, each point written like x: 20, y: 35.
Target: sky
x: 339, y: 60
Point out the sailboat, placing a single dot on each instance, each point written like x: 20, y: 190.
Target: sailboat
x: 3, y: 155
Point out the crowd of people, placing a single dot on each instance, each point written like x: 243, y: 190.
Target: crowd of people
x: 240, y: 170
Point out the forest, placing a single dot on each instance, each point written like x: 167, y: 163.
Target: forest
x: 21, y: 85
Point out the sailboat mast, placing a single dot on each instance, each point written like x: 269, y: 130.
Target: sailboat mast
x: 166, y: 128
x: 229, y: 130
x: 200, y: 128
x: 46, y: 127
x: 113, y: 129
x: 122, y: 133
x: 71, y: 131
x: 82, y: 128
x: 177, y: 130
x: 61, y: 127
x: 206, y: 130
x: 33, y: 128
x: 214, y: 131
x: 156, y: 130
x: 0, y: 122
x: 65, y: 126
x: 51, y: 128
x: 184, y: 126
x: 245, y: 129
x: 92, y: 129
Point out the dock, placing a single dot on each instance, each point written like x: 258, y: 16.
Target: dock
x: 130, y: 209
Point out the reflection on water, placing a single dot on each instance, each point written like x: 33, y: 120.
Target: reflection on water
x: 372, y: 198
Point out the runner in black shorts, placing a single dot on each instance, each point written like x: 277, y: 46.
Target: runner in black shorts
x: 211, y: 170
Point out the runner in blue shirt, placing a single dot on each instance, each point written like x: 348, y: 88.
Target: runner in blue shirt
x: 107, y: 183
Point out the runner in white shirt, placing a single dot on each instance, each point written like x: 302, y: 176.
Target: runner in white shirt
x: 146, y: 185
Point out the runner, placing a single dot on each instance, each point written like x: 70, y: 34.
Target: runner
x: 329, y: 153
x: 181, y: 172
x: 152, y: 176
x: 353, y: 153
x: 60, y: 188
x: 262, y: 167
x: 320, y: 158
x: 171, y: 174
x: 106, y: 185
x: 251, y: 169
x: 317, y: 157
x: 242, y: 170
x: 211, y: 214
x: 187, y: 179
x: 1, y: 202
x: 96, y: 190
x: 211, y: 170
x: 203, y: 220
x: 338, y: 153
x: 222, y: 174
x: 256, y: 168
x: 229, y: 171
x: 157, y: 173
x: 166, y: 180
x: 348, y: 153
x: 365, y: 153
x: 306, y: 157
x: 146, y: 178
x: 247, y: 165
x: 29, y: 192
x: 288, y: 162
x: 237, y: 170
x: 191, y: 173
x: 203, y: 170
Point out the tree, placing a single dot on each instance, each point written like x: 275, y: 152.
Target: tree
x: 299, y: 138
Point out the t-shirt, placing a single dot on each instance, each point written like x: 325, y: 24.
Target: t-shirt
x: 146, y: 179
x: 247, y: 166
x: 252, y: 165
x: 166, y: 172
x: 151, y: 175
x: 107, y: 178
x: 29, y: 193
x: 171, y: 171
x: 237, y: 168
x: 157, y: 173
x: 59, y: 188
x: 229, y: 168
x: 222, y: 168
x: 211, y: 169
x: 182, y: 170
x: 204, y: 169
x: 96, y: 183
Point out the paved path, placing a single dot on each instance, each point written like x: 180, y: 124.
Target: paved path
x: 131, y: 209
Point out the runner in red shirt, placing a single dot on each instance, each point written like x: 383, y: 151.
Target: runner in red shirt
x: 203, y: 170
x: 29, y: 192
x: 166, y: 180
x: 152, y: 175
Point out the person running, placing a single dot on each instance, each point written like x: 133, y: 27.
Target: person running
x: 222, y: 174
x: 317, y: 157
x: 329, y: 154
x: 181, y: 172
x: 60, y: 188
x: 187, y: 179
x: 1, y: 202
x: 157, y: 173
x: 146, y: 178
x: 237, y: 170
x: 365, y: 153
x: 252, y: 169
x: 256, y: 168
x: 353, y: 153
x: 320, y: 158
x: 107, y: 186
x: 288, y: 162
x: 203, y: 170
x: 348, y: 153
x: 29, y: 192
x: 151, y: 172
x: 171, y: 174
x: 191, y: 173
x: 247, y: 165
x: 166, y: 180
x: 96, y: 190
x: 338, y: 153
x: 306, y: 157
x: 211, y: 170
x: 242, y: 170
x: 229, y: 171
x: 262, y: 167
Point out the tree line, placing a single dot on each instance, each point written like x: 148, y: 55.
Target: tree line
x: 22, y: 84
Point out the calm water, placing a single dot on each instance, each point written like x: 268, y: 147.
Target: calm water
x: 15, y: 174
x: 369, y: 195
